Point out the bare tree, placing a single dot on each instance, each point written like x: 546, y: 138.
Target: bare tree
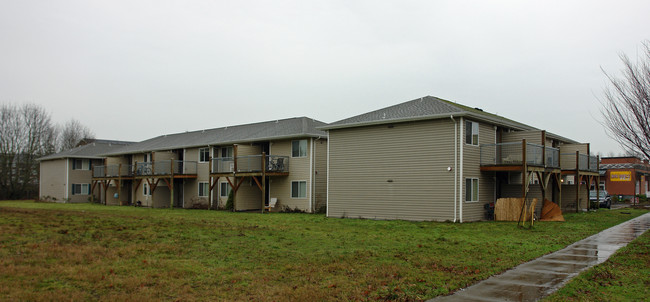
x: 72, y: 133
x: 26, y: 133
x: 626, y: 104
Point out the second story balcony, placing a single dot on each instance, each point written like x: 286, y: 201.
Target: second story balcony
x: 516, y: 154
x: 155, y: 168
x: 582, y: 162
x: 250, y: 164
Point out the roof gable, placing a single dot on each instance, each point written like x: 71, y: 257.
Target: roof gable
x: 427, y: 107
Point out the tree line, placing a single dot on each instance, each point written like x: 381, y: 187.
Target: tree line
x: 27, y: 133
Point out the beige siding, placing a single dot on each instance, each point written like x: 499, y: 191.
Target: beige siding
x: 191, y: 186
x: 398, y: 172
x: 532, y: 137
x: 320, y: 174
x: 568, y: 155
x: 298, y: 171
x: 79, y: 177
x: 473, y: 211
x: 53, y: 183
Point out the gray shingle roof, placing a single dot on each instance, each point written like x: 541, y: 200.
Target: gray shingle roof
x: 427, y: 107
x: 279, y: 129
x: 92, y: 150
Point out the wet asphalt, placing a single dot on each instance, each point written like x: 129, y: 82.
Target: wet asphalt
x: 539, y: 278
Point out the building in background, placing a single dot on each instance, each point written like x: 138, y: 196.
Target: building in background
x: 626, y: 177
x: 67, y: 176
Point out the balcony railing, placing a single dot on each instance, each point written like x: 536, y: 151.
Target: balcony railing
x: 156, y: 168
x: 250, y: 163
x: 116, y: 170
x: 585, y: 162
x: 506, y: 154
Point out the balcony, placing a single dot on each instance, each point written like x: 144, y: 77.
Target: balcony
x: 250, y: 164
x: 155, y: 168
x: 584, y: 162
x: 513, y: 154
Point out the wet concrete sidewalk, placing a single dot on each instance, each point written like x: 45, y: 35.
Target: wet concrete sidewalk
x: 539, y: 278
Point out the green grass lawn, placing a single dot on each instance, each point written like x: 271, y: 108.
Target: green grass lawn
x: 93, y: 252
x: 623, y: 277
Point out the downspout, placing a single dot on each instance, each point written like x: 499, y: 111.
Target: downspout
x: 327, y: 197
x: 460, y: 181
x: 67, y: 180
x: 311, y: 177
x: 455, y: 170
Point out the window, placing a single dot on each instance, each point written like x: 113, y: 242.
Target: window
x: 299, y: 148
x: 80, y: 164
x: 224, y: 189
x: 298, y: 189
x: 146, y: 191
x: 80, y: 189
x: 204, y: 155
x: 471, y: 133
x: 471, y: 189
x: 204, y: 188
x: 147, y: 157
x: 226, y: 152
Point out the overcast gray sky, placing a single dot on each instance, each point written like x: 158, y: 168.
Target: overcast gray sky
x: 132, y: 70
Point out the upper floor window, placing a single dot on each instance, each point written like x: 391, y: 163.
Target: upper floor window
x: 471, y: 133
x: 226, y: 151
x: 299, y: 148
x: 147, y: 157
x: 81, y: 164
x: 204, y: 155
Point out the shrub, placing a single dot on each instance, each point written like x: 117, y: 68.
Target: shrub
x: 230, y: 203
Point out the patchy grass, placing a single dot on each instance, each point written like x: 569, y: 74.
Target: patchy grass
x: 93, y: 252
x: 623, y: 277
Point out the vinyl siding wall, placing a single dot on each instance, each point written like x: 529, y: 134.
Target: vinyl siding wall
x: 320, y: 174
x: 53, y: 181
x: 80, y: 177
x: 379, y: 172
x: 473, y: 211
x: 191, y: 185
x: 532, y: 137
x: 568, y: 155
x: 298, y: 171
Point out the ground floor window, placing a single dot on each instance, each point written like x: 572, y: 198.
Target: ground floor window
x: 146, y: 191
x: 204, y: 187
x: 224, y: 189
x: 471, y: 189
x: 298, y: 189
x: 80, y: 189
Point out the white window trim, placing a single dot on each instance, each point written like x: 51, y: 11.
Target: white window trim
x: 291, y: 189
x: 85, y: 164
x: 478, y: 189
x: 478, y: 138
x: 306, y: 148
x: 199, y: 189
x: 208, y: 159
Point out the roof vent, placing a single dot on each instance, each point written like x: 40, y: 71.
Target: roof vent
x: 479, y: 109
x: 384, y: 116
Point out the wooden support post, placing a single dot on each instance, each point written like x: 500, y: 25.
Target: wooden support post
x: 212, y: 184
x: 263, y: 181
x: 577, y: 180
x: 171, y: 189
x: 524, y: 170
x: 543, y: 148
x: 234, y: 155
